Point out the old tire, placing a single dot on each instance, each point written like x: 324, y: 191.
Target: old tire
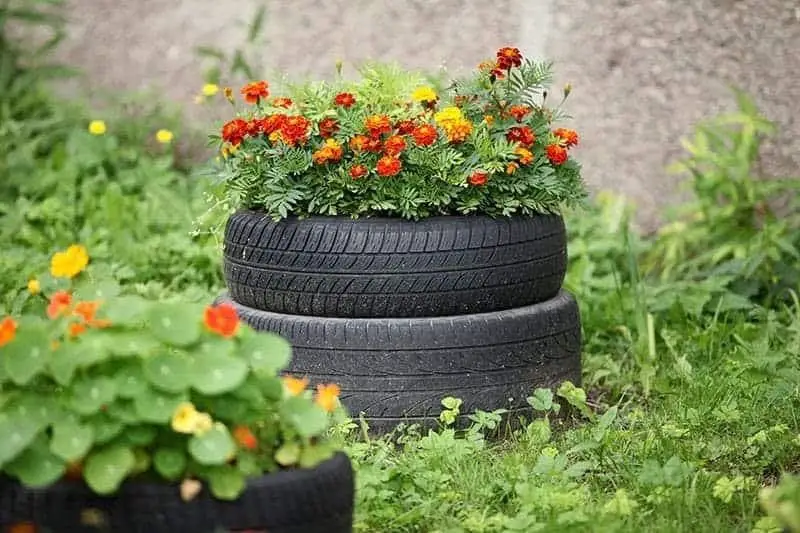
x: 373, y: 268
x: 399, y: 369
x: 318, y: 500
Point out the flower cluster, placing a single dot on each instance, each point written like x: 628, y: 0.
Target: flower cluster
x: 485, y: 145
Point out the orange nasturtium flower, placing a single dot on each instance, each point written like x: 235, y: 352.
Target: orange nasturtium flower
x: 295, y: 386
x: 245, y: 438
x: 221, y: 319
x: 70, y: 262
x: 22, y: 527
x: 8, y: 330
x: 59, y: 304
x: 327, y: 396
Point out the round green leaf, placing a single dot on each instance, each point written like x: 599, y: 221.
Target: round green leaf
x: 92, y: 349
x: 106, y: 469
x: 129, y: 344
x: 126, y: 310
x: 314, y: 454
x: 105, y: 428
x: 16, y: 433
x: 123, y: 411
x: 288, y: 454
x: 131, y: 381
x: 157, y: 407
x: 26, y: 356
x: 103, y: 290
x: 140, y: 435
x: 37, y: 467
x: 170, y: 463
x: 308, y: 419
x: 71, y: 440
x: 216, y: 346
x: 176, y: 324
x: 266, y: 352
x: 63, y: 363
x: 90, y: 394
x: 214, y: 447
x: 168, y: 371
x: 226, y: 482
x: 213, y: 374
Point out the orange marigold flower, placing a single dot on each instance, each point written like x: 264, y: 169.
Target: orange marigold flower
x: 330, y: 152
x: 388, y: 166
x: 255, y: 91
x: 254, y: 127
x: 295, y: 386
x: 508, y: 57
x: 221, y: 319
x: 478, y: 178
x: 519, y: 112
x: 458, y: 130
x: 345, y: 100
x: 362, y: 143
x: 425, y: 135
x: 22, y: 527
x: 327, y: 396
x: 59, y: 304
x: 522, y: 135
x: 234, y: 131
x: 294, y: 130
x: 511, y: 167
x: 8, y: 330
x: 328, y: 127
x: 358, y: 171
x: 568, y: 137
x: 272, y: 123
x: 525, y: 155
x: 394, y: 145
x: 245, y: 438
x: 378, y: 125
x: 405, y: 127
x: 283, y: 102
x: 76, y: 328
x: 556, y: 154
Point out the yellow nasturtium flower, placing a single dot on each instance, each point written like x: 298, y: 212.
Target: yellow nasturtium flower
x: 97, y: 127
x: 187, y: 419
x: 164, y: 136
x: 70, y: 262
x: 34, y: 287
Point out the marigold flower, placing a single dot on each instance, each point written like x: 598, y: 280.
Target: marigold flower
x: 378, y: 125
x: 60, y: 303
x: 508, y: 57
x: 487, y: 65
x: 283, y: 102
x: 358, y: 171
x: 388, y: 166
x: 164, y: 136
x: 22, y: 527
x: 221, y: 319
x: 187, y: 419
x: 511, y: 167
x: 425, y: 135
x: 522, y: 135
x: 519, y: 112
x: 394, y: 145
x: 327, y: 396
x: 448, y: 114
x: 70, y: 262
x: 228, y: 92
x: 234, y: 131
x: 525, y: 155
x: 345, y: 100
x: 405, y: 127
x: 294, y: 130
x: 34, y: 287
x: 272, y: 123
x: 478, y: 178
x: 362, y: 143
x: 210, y: 89
x: 328, y: 127
x: 330, y: 152
x: 568, y: 137
x: 245, y: 438
x: 488, y: 119
x: 8, y: 330
x: 458, y: 130
x: 255, y: 91
x: 97, y: 127
x: 556, y: 154
x: 424, y: 94
x: 295, y: 386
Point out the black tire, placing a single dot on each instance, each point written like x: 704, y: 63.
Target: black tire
x: 399, y: 369
x: 368, y: 268
x: 318, y: 500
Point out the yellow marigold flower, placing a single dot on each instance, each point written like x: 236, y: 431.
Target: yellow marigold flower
x: 164, y: 136
x: 34, y: 287
x: 448, y: 114
x: 187, y: 419
x: 210, y: 89
x: 327, y: 396
x: 489, y: 119
x: 69, y: 263
x: 97, y: 127
x: 295, y: 386
x: 457, y: 130
x: 423, y: 94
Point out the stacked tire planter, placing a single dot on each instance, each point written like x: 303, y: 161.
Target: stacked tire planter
x: 404, y: 313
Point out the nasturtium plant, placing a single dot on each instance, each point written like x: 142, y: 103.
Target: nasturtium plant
x: 119, y: 388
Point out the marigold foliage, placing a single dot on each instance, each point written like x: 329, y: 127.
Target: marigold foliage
x: 413, y: 157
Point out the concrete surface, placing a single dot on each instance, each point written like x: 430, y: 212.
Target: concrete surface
x: 643, y: 72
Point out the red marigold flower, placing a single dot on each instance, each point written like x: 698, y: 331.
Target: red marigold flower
x: 234, y: 131
x: 8, y: 330
x: 59, y: 304
x: 522, y: 135
x: 345, y: 100
x: 508, y: 57
x: 556, y: 154
x: 568, y: 137
x: 378, y: 125
x: 254, y: 127
x: 498, y: 72
x: 478, y: 178
x: 425, y: 135
x: 328, y: 127
x: 272, y: 123
x: 388, y: 166
x: 519, y: 112
x: 358, y: 171
x: 254, y: 91
x: 294, y: 130
x: 405, y: 127
x: 221, y: 319
x: 245, y: 438
x: 394, y: 145
x: 283, y: 102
